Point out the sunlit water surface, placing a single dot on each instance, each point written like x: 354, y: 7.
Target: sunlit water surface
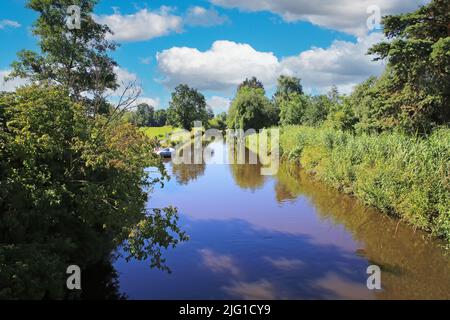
x: 281, y: 237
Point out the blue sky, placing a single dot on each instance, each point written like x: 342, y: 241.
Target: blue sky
x: 214, y: 44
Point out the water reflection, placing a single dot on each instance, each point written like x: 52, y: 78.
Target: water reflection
x: 283, y: 237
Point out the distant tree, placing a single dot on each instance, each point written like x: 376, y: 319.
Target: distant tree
x: 288, y: 85
x: 250, y: 109
x: 144, y: 116
x: 219, y: 121
x: 288, y: 101
x: 317, y: 110
x: 209, y: 112
x: 292, y: 108
x: 187, y: 105
x: 415, y: 90
x: 160, y: 118
x: 251, y: 83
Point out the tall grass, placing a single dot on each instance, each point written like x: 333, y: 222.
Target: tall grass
x: 403, y: 176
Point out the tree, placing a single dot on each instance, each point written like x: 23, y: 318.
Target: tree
x: 288, y: 85
x: 160, y: 118
x: 250, y: 109
x: 74, y: 58
x: 288, y: 101
x: 293, y: 108
x: 144, y: 116
x: 251, y: 83
x: 317, y: 110
x: 219, y: 122
x: 417, y: 95
x: 69, y: 194
x: 187, y: 105
x: 72, y: 186
x: 209, y: 112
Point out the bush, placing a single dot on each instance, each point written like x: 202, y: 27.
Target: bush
x: 71, y: 190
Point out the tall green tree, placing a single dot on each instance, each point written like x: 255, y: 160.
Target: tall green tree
x: 187, y: 105
x: 250, y: 109
x: 144, y: 115
x: 75, y: 58
x: 289, y: 101
x: 293, y: 108
x: 252, y: 82
x: 160, y: 118
x: 288, y: 85
x: 416, y: 96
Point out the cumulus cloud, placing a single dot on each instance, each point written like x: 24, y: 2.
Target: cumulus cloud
x: 227, y: 63
x: 343, y: 64
x: 199, y: 16
x: 12, y: 84
x: 142, y: 25
x: 218, y: 104
x: 222, y: 67
x: 154, y: 102
x: 9, y: 23
x: 344, y: 15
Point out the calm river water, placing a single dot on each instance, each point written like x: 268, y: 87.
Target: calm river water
x: 281, y: 237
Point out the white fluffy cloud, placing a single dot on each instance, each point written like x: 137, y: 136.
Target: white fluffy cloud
x: 343, y: 64
x: 9, y: 23
x: 142, y: 25
x: 154, y: 102
x: 199, y: 16
x: 218, y: 104
x: 349, y: 16
x: 12, y: 84
x: 223, y: 66
x: 228, y: 63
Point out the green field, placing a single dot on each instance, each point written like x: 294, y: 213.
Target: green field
x: 158, y: 132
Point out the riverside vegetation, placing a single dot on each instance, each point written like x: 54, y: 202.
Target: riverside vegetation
x: 387, y: 143
x: 74, y: 177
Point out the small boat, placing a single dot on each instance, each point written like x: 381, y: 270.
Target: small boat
x: 166, y: 152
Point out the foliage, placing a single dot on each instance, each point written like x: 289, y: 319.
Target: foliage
x: 160, y: 118
x: 292, y: 108
x: 414, y: 92
x: 250, y: 109
x: 71, y: 190
x: 252, y: 83
x: 398, y: 174
x: 317, y: 110
x: 219, y: 122
x: 76, y: 59
x: 144, y: 116
x: 187, y: 105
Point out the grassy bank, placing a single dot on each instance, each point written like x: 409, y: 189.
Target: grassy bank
x: 402, y: 176
x: 158, y: 132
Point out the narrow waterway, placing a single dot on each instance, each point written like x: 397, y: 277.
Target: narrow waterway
x: 281, y: 237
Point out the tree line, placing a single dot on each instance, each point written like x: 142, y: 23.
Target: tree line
x: 412, y: 94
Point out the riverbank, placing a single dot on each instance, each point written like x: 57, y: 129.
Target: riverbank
x: 403, y: 176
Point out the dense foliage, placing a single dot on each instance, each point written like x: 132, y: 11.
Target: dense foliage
x: 251, y: 109
x: 414, y: 92
x: 74, y: 179
x: 77, y: 58
x: 401, y: 175
x: 187, y: 106
x: 388, y: 142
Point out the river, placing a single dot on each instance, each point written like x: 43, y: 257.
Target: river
x: 281, y: 237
